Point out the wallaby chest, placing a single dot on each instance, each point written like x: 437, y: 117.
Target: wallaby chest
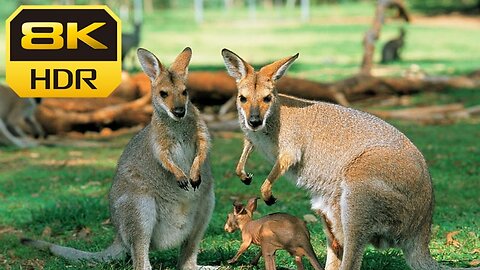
x: 182, y: 149
x: 264, y: 143
x: 179, y: 140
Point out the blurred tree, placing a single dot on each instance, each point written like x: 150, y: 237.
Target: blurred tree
x: 228, y: 4
x: 305, y: 7
x: 252, y: 9
x: 148, y: 6
x: 446, y: 6
x: 198, y: 11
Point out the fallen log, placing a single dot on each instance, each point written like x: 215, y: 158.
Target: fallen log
x: 215, y: 88
x: 427, y: 115
x: 57, y: 119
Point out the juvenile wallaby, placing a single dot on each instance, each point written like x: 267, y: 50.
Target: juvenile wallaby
x: 273, y: 232
x: 150, y: 199
x: 391, y: 49
x: 367, y: 179
x: 17, y: 117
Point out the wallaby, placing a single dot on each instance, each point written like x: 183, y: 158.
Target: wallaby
x: 17, y: 117
x: 131, y: 40
x: 366, y: 178
x: 272, y: 232
x: 391, y: 49
x: 150, y: 199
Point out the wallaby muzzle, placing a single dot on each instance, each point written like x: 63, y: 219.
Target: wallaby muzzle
x: 255, y: 120
x: 178, y: 112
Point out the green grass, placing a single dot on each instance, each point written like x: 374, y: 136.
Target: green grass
x: 65, y: 188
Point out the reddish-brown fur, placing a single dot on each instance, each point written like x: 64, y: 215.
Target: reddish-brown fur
x: 272, y: 232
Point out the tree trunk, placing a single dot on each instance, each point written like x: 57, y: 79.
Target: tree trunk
x: 373, y: 34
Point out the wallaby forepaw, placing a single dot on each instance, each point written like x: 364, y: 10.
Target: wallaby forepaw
x: 183, y: 184
x: 248, y: 179
x: 231, y: 261
x: 196, y: 183
x: 270, y: 201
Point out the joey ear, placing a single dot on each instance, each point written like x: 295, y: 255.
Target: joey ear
x: 236, y: 66
x: 278, y: 68
x: 252, y: 204
x: 150, y: 63
x: 180, y: 65
x: 238, y: 208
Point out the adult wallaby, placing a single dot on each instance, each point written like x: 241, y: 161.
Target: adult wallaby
x: 131, y: 40
x: 17, y: 117
x: 367, y: 179
x: 391, y: 49
x: 150, y: 201
x: 271, y: 232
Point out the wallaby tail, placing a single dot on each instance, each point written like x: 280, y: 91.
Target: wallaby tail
x: 419, y: 258
x: 114, y: 251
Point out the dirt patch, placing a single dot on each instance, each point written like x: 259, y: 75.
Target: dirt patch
x: 459, y: 21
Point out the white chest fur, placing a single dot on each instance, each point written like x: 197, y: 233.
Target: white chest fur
x: 171, y: 232
x: 183, y: 153
x: 264, y: 144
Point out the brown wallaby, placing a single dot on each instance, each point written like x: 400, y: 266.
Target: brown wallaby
x: 391, y: 49
x: 17, y: 117
x: 150, y: 201
x: 366, y: 178
x: 272, y: 232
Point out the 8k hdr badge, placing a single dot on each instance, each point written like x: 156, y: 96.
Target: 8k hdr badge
x: 63, y: 51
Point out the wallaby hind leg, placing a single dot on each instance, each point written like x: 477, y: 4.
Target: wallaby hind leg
x: 7, y: 138
x: 354, y: 222
x: 137, y: 220
x: 15, y: 119
x: 269, y: 259
x: 268, y: 253
x: 353, y: 249
x: 37, y: 129
x: 417, y: 253
x: 298, y: 262
x: 334, y: 250
x: 190, y: 247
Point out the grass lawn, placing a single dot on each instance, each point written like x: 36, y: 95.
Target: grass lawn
x: 63, y: 189
x: 59, y: 193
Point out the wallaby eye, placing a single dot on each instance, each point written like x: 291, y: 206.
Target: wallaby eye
x: 267, y: 99
x: 243, y: 99
x: 163, y: 94
x: 184, y: 92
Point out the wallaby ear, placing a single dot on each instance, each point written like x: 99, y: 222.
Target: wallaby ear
x: 278, y: 68
x: 236, y: 66
x: 150, y: 63
x: 238, y: 208
x: 180, y: 65
x: 252, y: 204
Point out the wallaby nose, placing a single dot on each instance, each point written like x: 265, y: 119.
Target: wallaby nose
x: 179, y: 112
x: 255, y: 121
